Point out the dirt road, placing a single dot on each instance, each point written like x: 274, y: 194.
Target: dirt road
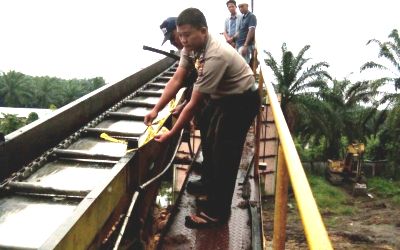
x: 375, y: 225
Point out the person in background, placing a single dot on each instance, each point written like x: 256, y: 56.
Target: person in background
x: 231, y: 23
x: 168, y: 27
x: 247, y: 27
x: 202, y: 117
x: 225, y: 78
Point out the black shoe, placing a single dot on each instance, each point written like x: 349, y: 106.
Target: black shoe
x: 201, y: 201
x: 202, y: 221
x: 196, y: 187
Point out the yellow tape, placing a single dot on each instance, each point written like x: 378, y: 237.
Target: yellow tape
x: 112, y: 139
x: 154, y: 129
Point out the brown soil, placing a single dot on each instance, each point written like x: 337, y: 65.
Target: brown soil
x: 375, y: 225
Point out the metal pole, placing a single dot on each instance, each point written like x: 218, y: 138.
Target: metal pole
x: 281, y: 197
x: 258, y: 122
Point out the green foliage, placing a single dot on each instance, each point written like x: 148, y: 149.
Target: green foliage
x: 10, y: 123
x: 385, y: 188
x: 14, y: 90
x: 393, y: 139
x: 19, y: 90
x: 330, y: 199
x: 312, y: 149
x: 372, y: 147
x: 32, y: 117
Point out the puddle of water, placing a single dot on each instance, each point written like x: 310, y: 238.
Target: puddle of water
x: 170, y: 187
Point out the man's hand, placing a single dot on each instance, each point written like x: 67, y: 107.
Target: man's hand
x: 148, y: 119
x: 163, y: 137
x: 244, y: 51
x: 178, y: 109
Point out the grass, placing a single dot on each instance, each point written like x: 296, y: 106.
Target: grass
x: 385, y: 188
x: 330, y: 199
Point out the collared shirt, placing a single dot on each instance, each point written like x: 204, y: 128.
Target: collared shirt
x: 232, y: 24
x: 221, y: 70
x: 248, y: 21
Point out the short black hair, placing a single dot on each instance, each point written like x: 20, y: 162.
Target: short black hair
x: 193, y: 17
x: 231, y: 1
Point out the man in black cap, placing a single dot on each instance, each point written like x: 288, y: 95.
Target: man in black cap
x: 168, y: 27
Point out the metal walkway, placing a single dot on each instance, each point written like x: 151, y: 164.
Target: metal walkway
x: 236, y: 234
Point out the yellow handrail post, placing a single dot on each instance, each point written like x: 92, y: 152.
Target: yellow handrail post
x: 281, y: 198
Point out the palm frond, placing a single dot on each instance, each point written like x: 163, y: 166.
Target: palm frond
x: 287, y: 60
x: 395, y: 50
x: 372, y: 65
x: 300, y: 60
x: 395, y: 36
x: 374, y: 41
x: 271, y: 62
x: 386, y: 52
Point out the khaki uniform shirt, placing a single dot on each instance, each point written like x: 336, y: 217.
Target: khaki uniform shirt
x: 221, y: 69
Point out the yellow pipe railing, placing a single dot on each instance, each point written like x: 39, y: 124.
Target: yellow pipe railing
x: 315, y: 231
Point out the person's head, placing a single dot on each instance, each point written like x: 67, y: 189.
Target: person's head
x: 192, y: 29
x: 231, y: 4
x: 168, y: 27
x: 243, y: 7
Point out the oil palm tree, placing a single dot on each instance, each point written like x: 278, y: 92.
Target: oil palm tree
x: 390, y: 52
x: 13, y: 89
x: 343, y: 114
x: 294, y: 82
x: 46, y: 91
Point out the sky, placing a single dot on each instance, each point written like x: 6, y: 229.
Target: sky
x: 89, y: 38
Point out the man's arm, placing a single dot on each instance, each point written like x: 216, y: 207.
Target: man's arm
x: 226, y: 29
x: 250, y: 36
x: 252, y: 30
x: 172, y: 87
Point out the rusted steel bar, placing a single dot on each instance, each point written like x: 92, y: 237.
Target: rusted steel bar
x: 113, y: 132
x: 37, y: 188
x: 88, y: 160
x: 82, y: 154
x: 157, y: 85
x: 149, y: 93
x: 125, y: 116
x: 281, y: 197
x: 139, y: 103
x: 163, y: 78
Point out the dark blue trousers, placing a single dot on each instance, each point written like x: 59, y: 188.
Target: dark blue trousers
x: 231, y: 118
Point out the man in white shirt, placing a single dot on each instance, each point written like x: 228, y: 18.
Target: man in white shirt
x: 231, y: 23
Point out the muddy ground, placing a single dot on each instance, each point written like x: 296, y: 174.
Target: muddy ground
x: 375, y: 225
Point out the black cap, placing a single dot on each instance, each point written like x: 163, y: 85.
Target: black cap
x: 167, y: 27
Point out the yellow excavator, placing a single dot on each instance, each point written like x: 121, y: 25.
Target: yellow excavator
x: 349, y: 170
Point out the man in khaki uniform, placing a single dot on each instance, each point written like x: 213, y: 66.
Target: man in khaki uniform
x: 226, y: 78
